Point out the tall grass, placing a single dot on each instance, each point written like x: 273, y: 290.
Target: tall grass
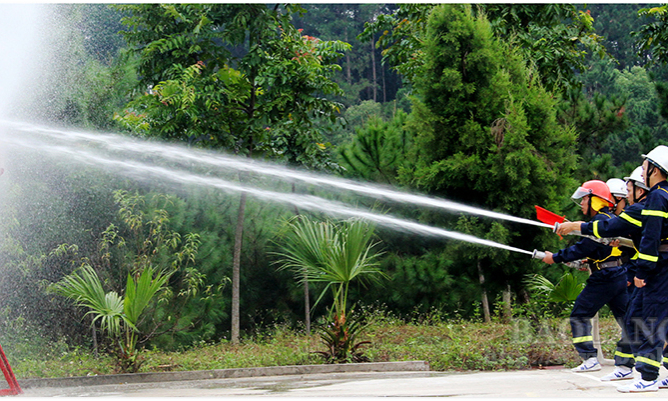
x: 447, y: 344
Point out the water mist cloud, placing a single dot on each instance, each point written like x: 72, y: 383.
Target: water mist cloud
x: 20, y: 50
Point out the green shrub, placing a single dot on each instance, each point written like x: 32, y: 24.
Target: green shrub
x: 446, y: 344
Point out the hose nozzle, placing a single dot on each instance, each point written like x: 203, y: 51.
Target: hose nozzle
x: 556, y: 228
x: 538, y: 254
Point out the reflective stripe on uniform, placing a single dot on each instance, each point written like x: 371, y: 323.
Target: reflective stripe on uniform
x: 582, y: 339
x: 649, y: 258
x: 657, y: 213
x: 648, y: 361
x: 630, y: 219
x: 595, y: 229
x: 623, y: 355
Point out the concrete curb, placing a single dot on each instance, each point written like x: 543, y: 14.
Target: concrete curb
x: 407, y: 366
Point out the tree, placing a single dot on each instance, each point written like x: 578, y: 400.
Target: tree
x: 485, y: 132
x: 344, y: 22
x: 557, y: 37
x: 646, y: 126
x: 561, y: 41
x: 233, y: 76
x: 377, y: 150
x: 615, y: 22
x: 652, y: 36
x: 595, y: 118
x: 401, y: 36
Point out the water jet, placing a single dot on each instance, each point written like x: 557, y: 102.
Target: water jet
x: 142, y: 170
x: 179, y: 154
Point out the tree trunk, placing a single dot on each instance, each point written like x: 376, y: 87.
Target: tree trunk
x: 382, y: 78
x: 485, y: 302
x: 349, y: 78
x: 507, y: 307
x: 307, y: 301
x: 236, y: 268
x: 307, y: 308
x: 95, y: 353
x: 373, y: 70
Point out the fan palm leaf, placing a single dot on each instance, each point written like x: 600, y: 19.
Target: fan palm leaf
x: 566, y: 290
x: 84, y: 287
x: 539, y: 283
x: 335, y: 255
x: 139, y: 294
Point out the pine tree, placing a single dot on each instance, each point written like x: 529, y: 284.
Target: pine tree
x: 486, y: 134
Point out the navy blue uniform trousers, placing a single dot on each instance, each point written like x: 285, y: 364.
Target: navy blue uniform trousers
x: 600, y: 291
x: 647, y: 336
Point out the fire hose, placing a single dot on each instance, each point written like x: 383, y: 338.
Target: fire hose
x: 627, y: 242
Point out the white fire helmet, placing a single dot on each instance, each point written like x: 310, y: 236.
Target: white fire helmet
x: 636, y: 177
x: 658, y: 157
x: 617, y: 187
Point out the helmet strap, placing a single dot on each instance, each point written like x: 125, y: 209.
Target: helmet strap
x: 635, y: 198
x: 618, y: 203
x: 650, y: 170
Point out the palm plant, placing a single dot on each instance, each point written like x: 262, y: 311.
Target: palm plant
x: 118, y: 316
x: 564, y: 292
x: 335, y: 255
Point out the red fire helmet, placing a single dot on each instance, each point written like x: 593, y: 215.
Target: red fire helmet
x: 596, y: 188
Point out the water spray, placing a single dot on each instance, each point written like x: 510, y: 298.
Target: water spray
x: 179, y: 154
x: 307, y: 202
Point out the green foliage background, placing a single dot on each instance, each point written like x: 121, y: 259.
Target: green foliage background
x: 442, y: 100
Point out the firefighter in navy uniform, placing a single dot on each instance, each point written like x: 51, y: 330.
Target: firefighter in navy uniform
x: 619, y: 193
x: 649, y: 309
x: 637, y: 194
x: 627, y: 224
x: 607, y: 282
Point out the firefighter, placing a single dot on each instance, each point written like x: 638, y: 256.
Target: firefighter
x: 607, y: 282
x: 637, y: 191
x: 627, y: 224
x: 635, y: 186
x: 619, y: 192
x: 649, y: 309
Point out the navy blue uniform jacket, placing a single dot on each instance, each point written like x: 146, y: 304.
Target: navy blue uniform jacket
x: 593, y: 251
x: 627, y: 224
x: 652, y: 265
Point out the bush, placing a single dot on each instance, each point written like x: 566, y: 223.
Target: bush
x: 446, y: 344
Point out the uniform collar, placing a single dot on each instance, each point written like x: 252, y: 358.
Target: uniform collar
x: 662, y: 184
x: 604, y: 209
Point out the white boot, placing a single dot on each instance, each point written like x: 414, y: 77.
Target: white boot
x: 639, y: 386
x: 620, y: 373
x: 590, y: 365
x: 663, y: 383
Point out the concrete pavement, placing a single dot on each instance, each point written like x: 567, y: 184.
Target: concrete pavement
x: 553, y: 383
